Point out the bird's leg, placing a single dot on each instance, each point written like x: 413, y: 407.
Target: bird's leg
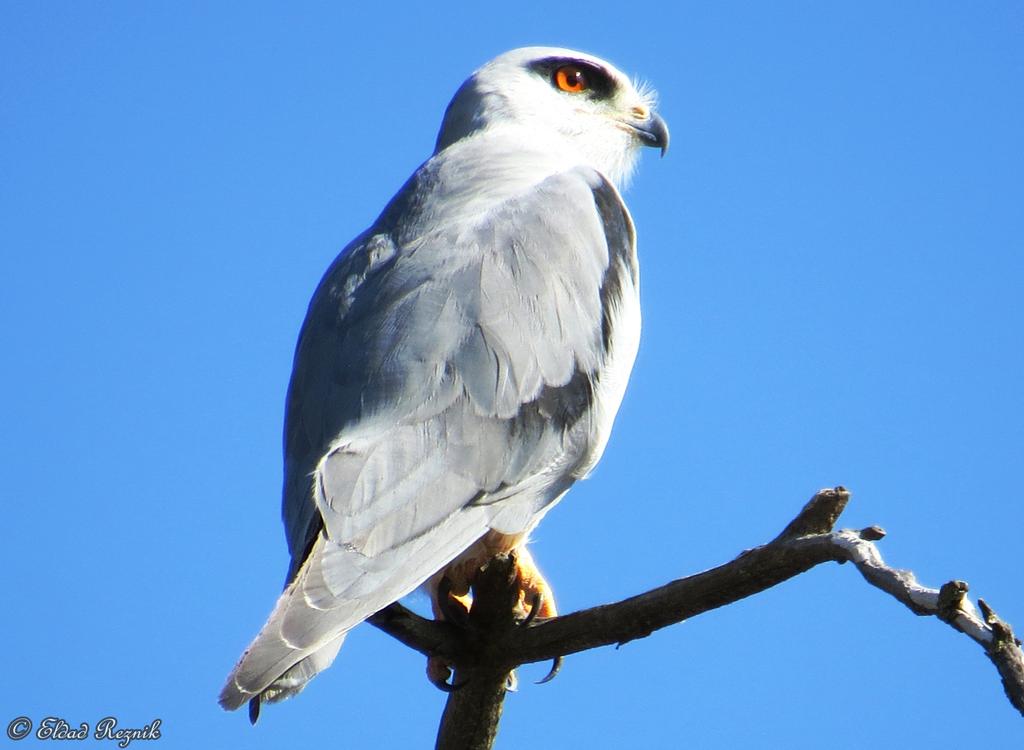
x: 450, y: 601
x: 451, y: 598
x: 535, y: 596
x: 449, y: 605
x: 536, y: 591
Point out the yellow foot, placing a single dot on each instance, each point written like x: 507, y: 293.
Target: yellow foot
x: 438, y: 672
x: 451, y: 600
x: 536, y: 599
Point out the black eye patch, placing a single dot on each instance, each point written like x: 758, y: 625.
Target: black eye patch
x: 595, y: 81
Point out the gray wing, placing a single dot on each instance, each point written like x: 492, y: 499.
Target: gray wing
x: 443, y: 385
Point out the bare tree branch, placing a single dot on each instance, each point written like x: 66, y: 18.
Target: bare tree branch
x: 483, y: 672
x: 949, y: 603
x: 473, y: 709
x: 493, y: 644
x: 429, y: 637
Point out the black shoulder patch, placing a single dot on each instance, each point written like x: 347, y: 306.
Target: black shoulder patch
x: 619, y: 234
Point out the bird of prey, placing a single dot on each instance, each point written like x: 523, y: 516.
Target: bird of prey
x: 462, y: 360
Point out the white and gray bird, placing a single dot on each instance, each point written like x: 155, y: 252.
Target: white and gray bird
x: 462, y: 360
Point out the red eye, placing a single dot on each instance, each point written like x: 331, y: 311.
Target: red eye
x: 571, y: 79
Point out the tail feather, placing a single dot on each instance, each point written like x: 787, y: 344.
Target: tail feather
x: 300, y: 639
x: 335, y: 589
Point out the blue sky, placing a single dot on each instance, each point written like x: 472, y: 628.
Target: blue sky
x: 832, y: 271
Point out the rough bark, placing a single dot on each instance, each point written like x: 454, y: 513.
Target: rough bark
x: 487, y: 647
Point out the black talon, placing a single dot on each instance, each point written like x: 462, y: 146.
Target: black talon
x: 556, y: 667
x: 446, y: 687
x: 254, y: 710
x: 535, y: 601
x: 451, y: 610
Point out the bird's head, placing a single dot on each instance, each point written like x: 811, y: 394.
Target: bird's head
x: 559, y: 99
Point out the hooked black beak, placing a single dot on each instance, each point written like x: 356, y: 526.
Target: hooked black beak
x: 653, y: 132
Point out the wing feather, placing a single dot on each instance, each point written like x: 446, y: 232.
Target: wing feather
x: 443, y: 385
